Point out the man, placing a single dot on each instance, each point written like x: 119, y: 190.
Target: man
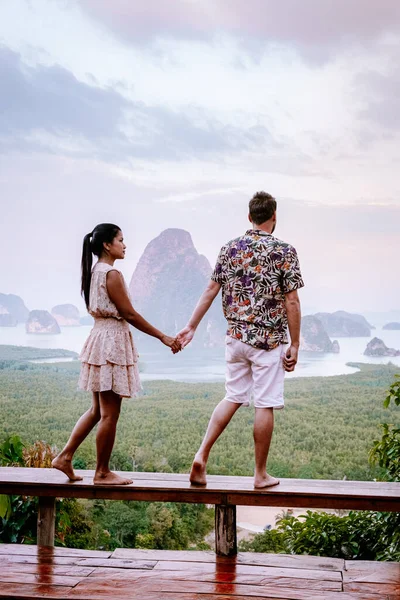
x: 259, y: 276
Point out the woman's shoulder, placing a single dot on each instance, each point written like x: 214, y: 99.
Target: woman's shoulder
x: 101, y: 267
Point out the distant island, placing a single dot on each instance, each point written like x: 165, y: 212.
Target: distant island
x: 41, y: 321
x: 66, y: 315
x: 394, y: 326
x: 377, y: 347
x: 344, y: 324
x: 157, y: 292
x: 314, y: 337
x: 12, y: 310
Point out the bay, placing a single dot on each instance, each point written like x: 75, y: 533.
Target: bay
x: 194, y: 365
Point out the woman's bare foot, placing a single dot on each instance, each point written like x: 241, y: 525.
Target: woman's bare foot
x: 198, y: 472
x: 65, y: 466
x: 265, y: 481
x: 110, y: 478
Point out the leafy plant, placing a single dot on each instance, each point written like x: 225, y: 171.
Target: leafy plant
x: 11, y: 452
x: 11, y: 455
x: 393, y: 393
x: 386, y: 451
x: 18, y: 514
x: 363, y: 535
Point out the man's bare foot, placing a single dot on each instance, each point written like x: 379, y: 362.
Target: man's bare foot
x: 110, y: 478
x: 65, y: 466
x: 265, y: 481
x: 198, y: 473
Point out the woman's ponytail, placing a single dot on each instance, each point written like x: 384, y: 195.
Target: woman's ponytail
x: 86, y: 268
x: 93, y: 243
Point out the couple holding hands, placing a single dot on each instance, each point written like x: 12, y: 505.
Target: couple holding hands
x: 259, y: 276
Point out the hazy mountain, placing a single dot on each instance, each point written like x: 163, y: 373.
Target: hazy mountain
x: 66, y: 315
x: 393, y: 326
x: 12, y: 310
x: 377, y: 347
x: 167, y: 283
x: 41, y: 321
x: 314, y: 337
x: 344, y: 324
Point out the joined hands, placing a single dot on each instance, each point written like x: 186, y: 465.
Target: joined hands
x: 179, y: 342
x: 172, y: 343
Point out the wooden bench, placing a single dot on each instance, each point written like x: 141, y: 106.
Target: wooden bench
x: 224, y: 492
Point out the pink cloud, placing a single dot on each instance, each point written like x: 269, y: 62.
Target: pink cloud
x: 305, y: 23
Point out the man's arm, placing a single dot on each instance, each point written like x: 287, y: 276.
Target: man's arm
x: 206, y: 299
x: 292, y: 304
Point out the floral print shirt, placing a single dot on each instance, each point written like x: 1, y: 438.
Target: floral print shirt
x: 255, y: 271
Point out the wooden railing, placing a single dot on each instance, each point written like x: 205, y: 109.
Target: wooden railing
x: 224, y: 492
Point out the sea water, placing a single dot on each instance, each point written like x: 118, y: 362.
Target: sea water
x: 204, y: 365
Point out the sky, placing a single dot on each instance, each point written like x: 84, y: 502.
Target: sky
x: 174, y: 113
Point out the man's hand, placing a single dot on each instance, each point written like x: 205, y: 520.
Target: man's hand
x: 206, y: 299
x: 290, y: 358
x: 172, y: 343
x: 186, y: 335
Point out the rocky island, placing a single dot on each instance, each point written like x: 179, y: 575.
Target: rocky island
x: 66, y: 315
x: 12, y: 310
x: 344, y: 324
x: 394, y: 326
x: 314, y: 337
x: 377, y: 347
x: 41, y: 321
x: 167, y: 283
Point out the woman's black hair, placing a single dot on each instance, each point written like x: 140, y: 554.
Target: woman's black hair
x: 93, y: 244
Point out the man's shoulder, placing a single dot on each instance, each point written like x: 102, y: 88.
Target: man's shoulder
x: 269, y: 242
x: 233, y: 242
x: 281, y: 245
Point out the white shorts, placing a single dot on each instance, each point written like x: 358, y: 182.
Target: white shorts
x: 251, y: 372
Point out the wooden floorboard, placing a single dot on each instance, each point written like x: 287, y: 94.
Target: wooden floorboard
x: 250, y: 558
x: 28, y: 572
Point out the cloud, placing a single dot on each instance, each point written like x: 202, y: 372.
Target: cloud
x: 46, y: 107
x: 381, y: 93
x: 52, y: 99
x: 315, y: 27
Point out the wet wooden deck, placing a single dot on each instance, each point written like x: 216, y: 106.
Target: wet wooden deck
x: 33, y: 572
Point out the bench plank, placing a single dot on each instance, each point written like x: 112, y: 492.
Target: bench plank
x: 219, y: 490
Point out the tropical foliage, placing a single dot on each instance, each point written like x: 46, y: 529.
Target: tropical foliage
x: 363, y: 535
x: 326, y: 431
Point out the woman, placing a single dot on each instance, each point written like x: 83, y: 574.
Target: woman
x: 109, y: 359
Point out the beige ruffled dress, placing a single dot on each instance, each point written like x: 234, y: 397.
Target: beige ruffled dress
x: 109, y: 358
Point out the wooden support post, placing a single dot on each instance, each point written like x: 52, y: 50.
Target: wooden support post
x: 46, y: 521
x: 225, y: 530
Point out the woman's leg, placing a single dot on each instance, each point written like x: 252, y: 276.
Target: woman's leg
x: 110, y: 406
x: 63, y: 462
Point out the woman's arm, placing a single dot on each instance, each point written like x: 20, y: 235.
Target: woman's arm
x: 117, y: 292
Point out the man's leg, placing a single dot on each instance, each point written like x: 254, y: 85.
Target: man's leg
x: 263, y: 428
x: 237, y: 385
x: 268, y: 378
x: 220, y: 418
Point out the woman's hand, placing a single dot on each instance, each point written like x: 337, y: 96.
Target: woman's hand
x: 172, y: 343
